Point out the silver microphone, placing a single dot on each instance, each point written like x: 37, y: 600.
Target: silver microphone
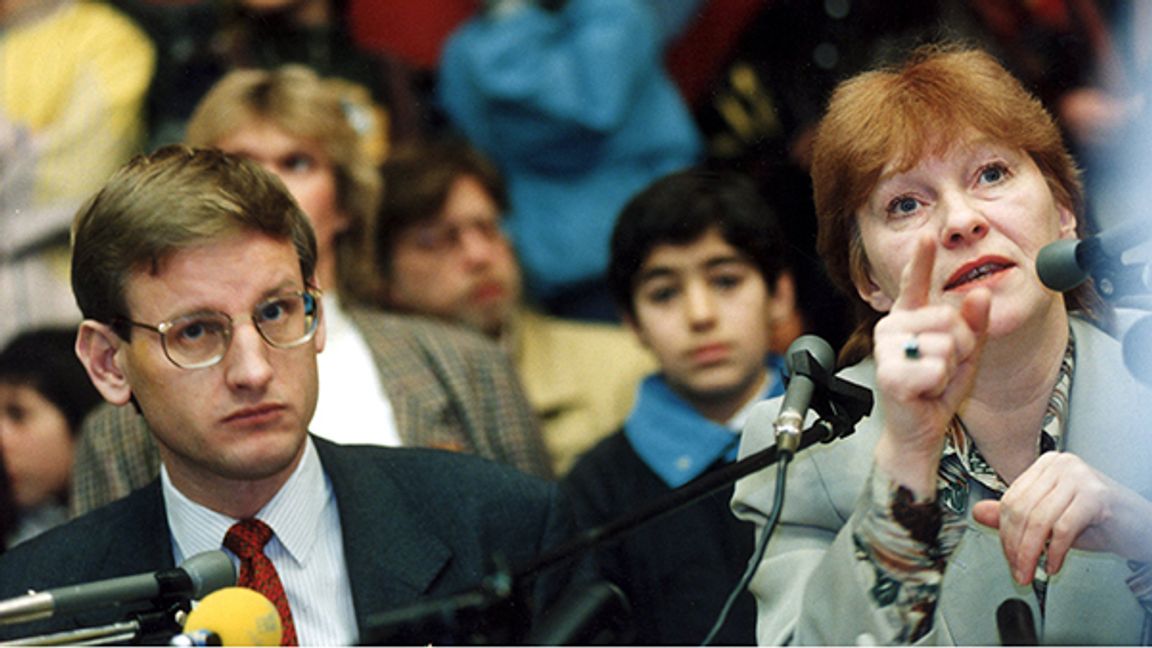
x: 195, y: 577
x: 789, y: 424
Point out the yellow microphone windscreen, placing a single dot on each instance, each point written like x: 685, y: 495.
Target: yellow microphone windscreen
x: 240, y: 616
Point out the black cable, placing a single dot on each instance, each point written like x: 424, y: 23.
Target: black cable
x: 758, y: 554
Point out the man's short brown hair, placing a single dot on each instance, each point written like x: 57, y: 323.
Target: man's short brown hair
x: 170, y: 200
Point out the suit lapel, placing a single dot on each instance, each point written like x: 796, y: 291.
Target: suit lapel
x: 141, y: 543
x: 391, y: 559
x: 138, y: 542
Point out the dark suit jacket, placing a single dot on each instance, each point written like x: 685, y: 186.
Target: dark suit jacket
x: 449, y: 388
x: 417, y: 523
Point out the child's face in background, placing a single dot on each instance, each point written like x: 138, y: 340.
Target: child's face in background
x: 704, y: 310
x: 36, y: 444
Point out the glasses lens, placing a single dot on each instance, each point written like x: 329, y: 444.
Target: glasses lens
x: 288, y: 320
x: 197, y: 340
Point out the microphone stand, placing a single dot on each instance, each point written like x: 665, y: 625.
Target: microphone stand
x: 152, y: 627
x: 840, y: 404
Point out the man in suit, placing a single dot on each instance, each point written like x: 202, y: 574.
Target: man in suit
x: 196, y: 274
x: 417, y: 381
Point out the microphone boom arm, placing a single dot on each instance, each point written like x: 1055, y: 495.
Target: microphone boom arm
x: 838, y: 420
x: 840, y: 404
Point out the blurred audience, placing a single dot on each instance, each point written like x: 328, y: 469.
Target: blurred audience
x: 759, y: 113
x: 421, y: 382
x: 199, y: 41
x: 696, y: 261
x: 72, y: 89
x: 441, y: 251
x: 571, y: 100
x: 44, y: 396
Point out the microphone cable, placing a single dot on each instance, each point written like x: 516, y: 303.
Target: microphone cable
x: 758, y: 553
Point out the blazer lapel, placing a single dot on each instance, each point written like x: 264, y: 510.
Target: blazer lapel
x: 391, y: 559
x: 138, y: 542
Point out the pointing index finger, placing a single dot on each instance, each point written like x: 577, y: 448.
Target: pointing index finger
x: 916, y: 279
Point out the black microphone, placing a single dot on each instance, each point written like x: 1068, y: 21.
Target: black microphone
x: 1064, y: 264
x: 1015, y: 624
x: 593, y: 614
x: 196, y: 577
x: 789, y: 422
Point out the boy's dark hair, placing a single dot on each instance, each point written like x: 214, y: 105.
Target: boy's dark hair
x: 44, y: 360
x: 680, y: 208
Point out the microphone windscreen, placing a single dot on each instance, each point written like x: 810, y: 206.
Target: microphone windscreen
x: 1058, y: 267
x: 815, y: 345
x: 1137, y: 348
x: 240, y: 616
x: 209, y: 571
x: 1015, y: 623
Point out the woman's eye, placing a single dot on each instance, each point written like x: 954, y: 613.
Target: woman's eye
x: 903, y: 205
x: 993, y: 173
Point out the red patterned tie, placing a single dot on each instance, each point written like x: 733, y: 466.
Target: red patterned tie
x: 246, y: 539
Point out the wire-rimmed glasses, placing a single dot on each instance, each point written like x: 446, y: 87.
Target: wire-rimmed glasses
x: 199, y: 340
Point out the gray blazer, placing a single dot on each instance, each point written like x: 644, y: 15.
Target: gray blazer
x: 806, y: 586
x: 416, y: 523
x: 450, y: 388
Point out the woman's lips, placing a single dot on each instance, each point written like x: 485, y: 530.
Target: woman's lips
x: 978, y: 270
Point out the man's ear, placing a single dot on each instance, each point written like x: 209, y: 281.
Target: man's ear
x: 321, y: 336
x: 98, y: 348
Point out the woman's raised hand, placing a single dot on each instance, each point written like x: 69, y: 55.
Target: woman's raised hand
x: 927, y: 356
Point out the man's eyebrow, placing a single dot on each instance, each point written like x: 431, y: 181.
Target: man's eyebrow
x: 287, y: 285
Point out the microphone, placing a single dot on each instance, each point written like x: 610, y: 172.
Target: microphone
x: 232, y: 616
x: 805, y: 351
x: 593, y: 614
x: 1137, y: 349
x: 1066, y: 263
x: 196, y: 577
x: 196, y: 638
x: 1015, y: 624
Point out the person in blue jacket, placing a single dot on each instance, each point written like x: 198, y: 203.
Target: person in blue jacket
x: 572, y: 102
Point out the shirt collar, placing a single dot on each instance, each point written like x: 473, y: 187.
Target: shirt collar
x: 675, y: 441
x: 294, y: 513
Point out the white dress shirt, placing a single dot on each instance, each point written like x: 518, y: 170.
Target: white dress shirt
x: 306, y: 548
